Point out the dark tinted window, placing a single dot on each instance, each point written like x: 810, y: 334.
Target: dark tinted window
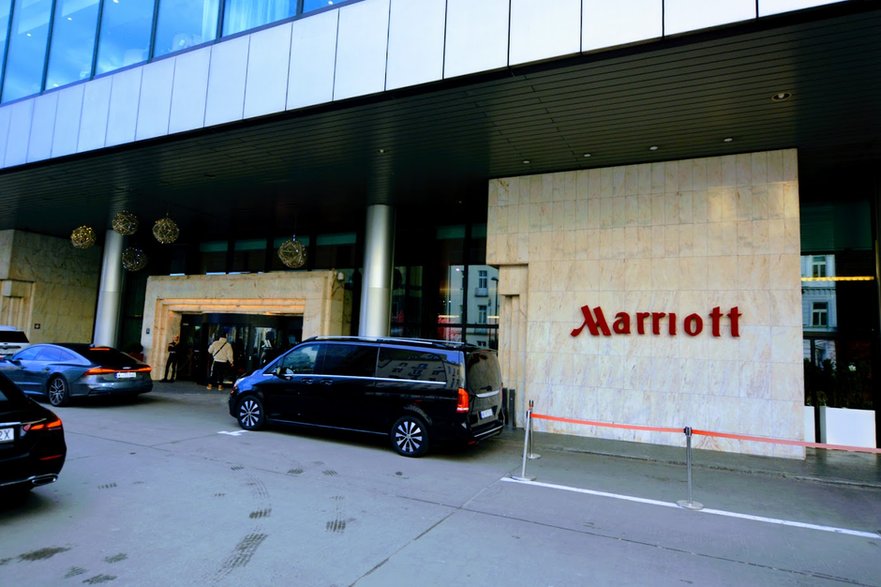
x: 108, y: 357
x: 396, y: 363
x: 13, y: 336
x: 349, y: 359
x: 28, y: 354
x: 482, y: 371
x: 56, y: 355
x: 300, y: 360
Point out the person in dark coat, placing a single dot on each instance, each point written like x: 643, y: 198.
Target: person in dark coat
x: 171, y: 361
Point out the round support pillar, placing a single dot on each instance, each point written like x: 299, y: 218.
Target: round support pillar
x: 376, y: 289
x: 109, y: 292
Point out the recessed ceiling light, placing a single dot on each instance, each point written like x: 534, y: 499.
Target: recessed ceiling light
x: 728, y: 140
x: 653, y: 148
x: 381, y: 151
x: 781, y: 96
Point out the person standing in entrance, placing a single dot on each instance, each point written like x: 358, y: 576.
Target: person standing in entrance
x: 171, y: 361
x: 222, y: 354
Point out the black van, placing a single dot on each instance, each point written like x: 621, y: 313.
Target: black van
x: 416, y: 391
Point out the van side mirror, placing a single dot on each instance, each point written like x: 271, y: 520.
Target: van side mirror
x: 281, y: 372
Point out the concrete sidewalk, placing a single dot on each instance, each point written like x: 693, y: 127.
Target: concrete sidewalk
x: 824, y: 466
x: 820, y: 465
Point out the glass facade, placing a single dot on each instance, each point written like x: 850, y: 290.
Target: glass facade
x: 73, y: 42
x: 27, y: 48
x: 182, y: 24
x: 5, y: 13
x: 839, y: 300
x: 94, y: 37
x: 126, y: 32
x: 241, y: 15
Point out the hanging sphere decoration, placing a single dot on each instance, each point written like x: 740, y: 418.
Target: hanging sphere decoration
x: 125, y: 223
x: 83, y: 237
x: 133, y: 259
x: 165, y: 230
x: 292, y: 253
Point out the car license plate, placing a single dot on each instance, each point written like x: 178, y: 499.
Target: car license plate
x: 7, y: 434
x: 484, y: 414
x: 126, y: 375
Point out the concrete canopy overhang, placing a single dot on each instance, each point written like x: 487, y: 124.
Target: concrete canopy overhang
x: 318, y: 296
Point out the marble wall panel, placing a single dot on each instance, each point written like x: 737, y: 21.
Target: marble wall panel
x: 675, y: 237
x: 66, y: 281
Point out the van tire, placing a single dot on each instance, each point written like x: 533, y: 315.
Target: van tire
x: 409, y: 436
x: 250, y: 413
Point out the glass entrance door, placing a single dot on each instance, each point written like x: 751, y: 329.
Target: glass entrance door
x: 255, y: 340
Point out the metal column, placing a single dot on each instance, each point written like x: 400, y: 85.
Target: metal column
x: 109, y: 292
x: 376, y: 290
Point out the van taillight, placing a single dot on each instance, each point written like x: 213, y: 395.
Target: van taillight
x: 462, y: 404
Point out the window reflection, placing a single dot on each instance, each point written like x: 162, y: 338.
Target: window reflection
x: 27, y: 48
x: 185, y: 23
x: 73, y: 42
x: 240, y: 15
x: 837, y: 288
x: 125, y: 34
x: 310, y: 5
x: 4, y: 32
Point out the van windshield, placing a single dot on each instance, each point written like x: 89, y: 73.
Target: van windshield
x: 482, y: 371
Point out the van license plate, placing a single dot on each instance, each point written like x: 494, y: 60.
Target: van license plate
x: 484, y: 414
x: 126, y: 375
x: 6, y: 435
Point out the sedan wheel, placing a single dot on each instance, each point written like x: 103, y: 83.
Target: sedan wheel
x: 251, y: 415
x: 409, y: 436
x: 59, y: 392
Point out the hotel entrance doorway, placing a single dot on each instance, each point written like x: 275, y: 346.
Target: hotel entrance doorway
x: 256, y: 339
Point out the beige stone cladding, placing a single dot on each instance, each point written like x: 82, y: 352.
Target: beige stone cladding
x: 680, y: 237
x: 48, y: 288
x: 318, y: 296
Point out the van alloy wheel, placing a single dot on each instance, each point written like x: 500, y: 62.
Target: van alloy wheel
x: 59, y: 394
x: 251, y: 415
x: 409, y: 436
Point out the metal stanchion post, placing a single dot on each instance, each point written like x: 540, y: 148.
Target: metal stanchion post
x: 526, y: 441
x: 532, y: 454
x: 690, y: 503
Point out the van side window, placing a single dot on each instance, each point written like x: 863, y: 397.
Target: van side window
x: 355, y: 360
x: 414, y: 365
x: 300, y: 360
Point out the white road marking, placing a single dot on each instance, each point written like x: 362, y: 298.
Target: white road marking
x: 667, y: 504
x: 233, y: 433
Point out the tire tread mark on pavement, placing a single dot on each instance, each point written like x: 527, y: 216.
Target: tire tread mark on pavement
x: 248, y: 545
x: 241, y: 554
x: 338, y: 524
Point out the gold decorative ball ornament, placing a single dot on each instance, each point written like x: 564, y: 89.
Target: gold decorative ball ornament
x: 125, y: 223
x: 166, y: 231
x: 292, y: 253
x: 83, y: 237
x: 134, y: 259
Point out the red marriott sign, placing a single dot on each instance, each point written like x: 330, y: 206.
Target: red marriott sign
x: 657, y: 322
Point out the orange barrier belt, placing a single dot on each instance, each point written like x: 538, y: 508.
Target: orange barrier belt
x: 709, y: 433
x: 606, y: 424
